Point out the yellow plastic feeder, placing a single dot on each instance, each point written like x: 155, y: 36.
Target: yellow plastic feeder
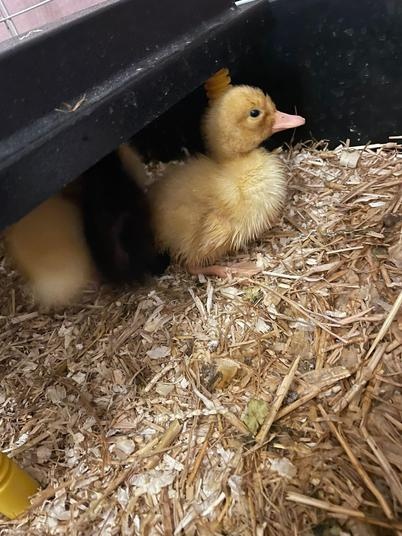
x: 16, y: 487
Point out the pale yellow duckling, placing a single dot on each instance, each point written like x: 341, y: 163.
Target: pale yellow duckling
x: 215, y: 204
x: 49, y: 248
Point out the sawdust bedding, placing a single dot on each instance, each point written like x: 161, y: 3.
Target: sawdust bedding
x: 269, y: 405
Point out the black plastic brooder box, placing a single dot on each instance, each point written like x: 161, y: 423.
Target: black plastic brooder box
x: 73, y: 93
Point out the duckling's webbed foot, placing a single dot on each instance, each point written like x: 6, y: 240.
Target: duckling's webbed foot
x: 245, y: 269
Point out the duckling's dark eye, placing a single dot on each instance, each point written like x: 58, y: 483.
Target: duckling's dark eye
x: 254, y: 112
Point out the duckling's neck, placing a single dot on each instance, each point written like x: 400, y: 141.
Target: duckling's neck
x: 221, y: 155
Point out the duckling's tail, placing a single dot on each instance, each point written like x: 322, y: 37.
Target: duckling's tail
x: 217, y: 84
x: 133, y: 165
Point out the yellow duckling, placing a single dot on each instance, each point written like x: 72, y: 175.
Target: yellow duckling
x: 48, y: 246
x: 215, y: 204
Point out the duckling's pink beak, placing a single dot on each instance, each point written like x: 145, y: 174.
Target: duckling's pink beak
x: 284, y: 121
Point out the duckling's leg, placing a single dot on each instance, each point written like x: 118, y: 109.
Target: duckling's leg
x: 246, y: 269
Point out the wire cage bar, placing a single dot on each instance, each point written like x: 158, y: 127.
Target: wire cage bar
x: 21, y: 17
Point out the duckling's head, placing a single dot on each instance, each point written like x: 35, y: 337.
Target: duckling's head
x: 240, y: 119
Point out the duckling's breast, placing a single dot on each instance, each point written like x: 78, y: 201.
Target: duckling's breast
x: 261, y: 183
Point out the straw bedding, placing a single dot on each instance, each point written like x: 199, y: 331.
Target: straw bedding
x: 269, y: 405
